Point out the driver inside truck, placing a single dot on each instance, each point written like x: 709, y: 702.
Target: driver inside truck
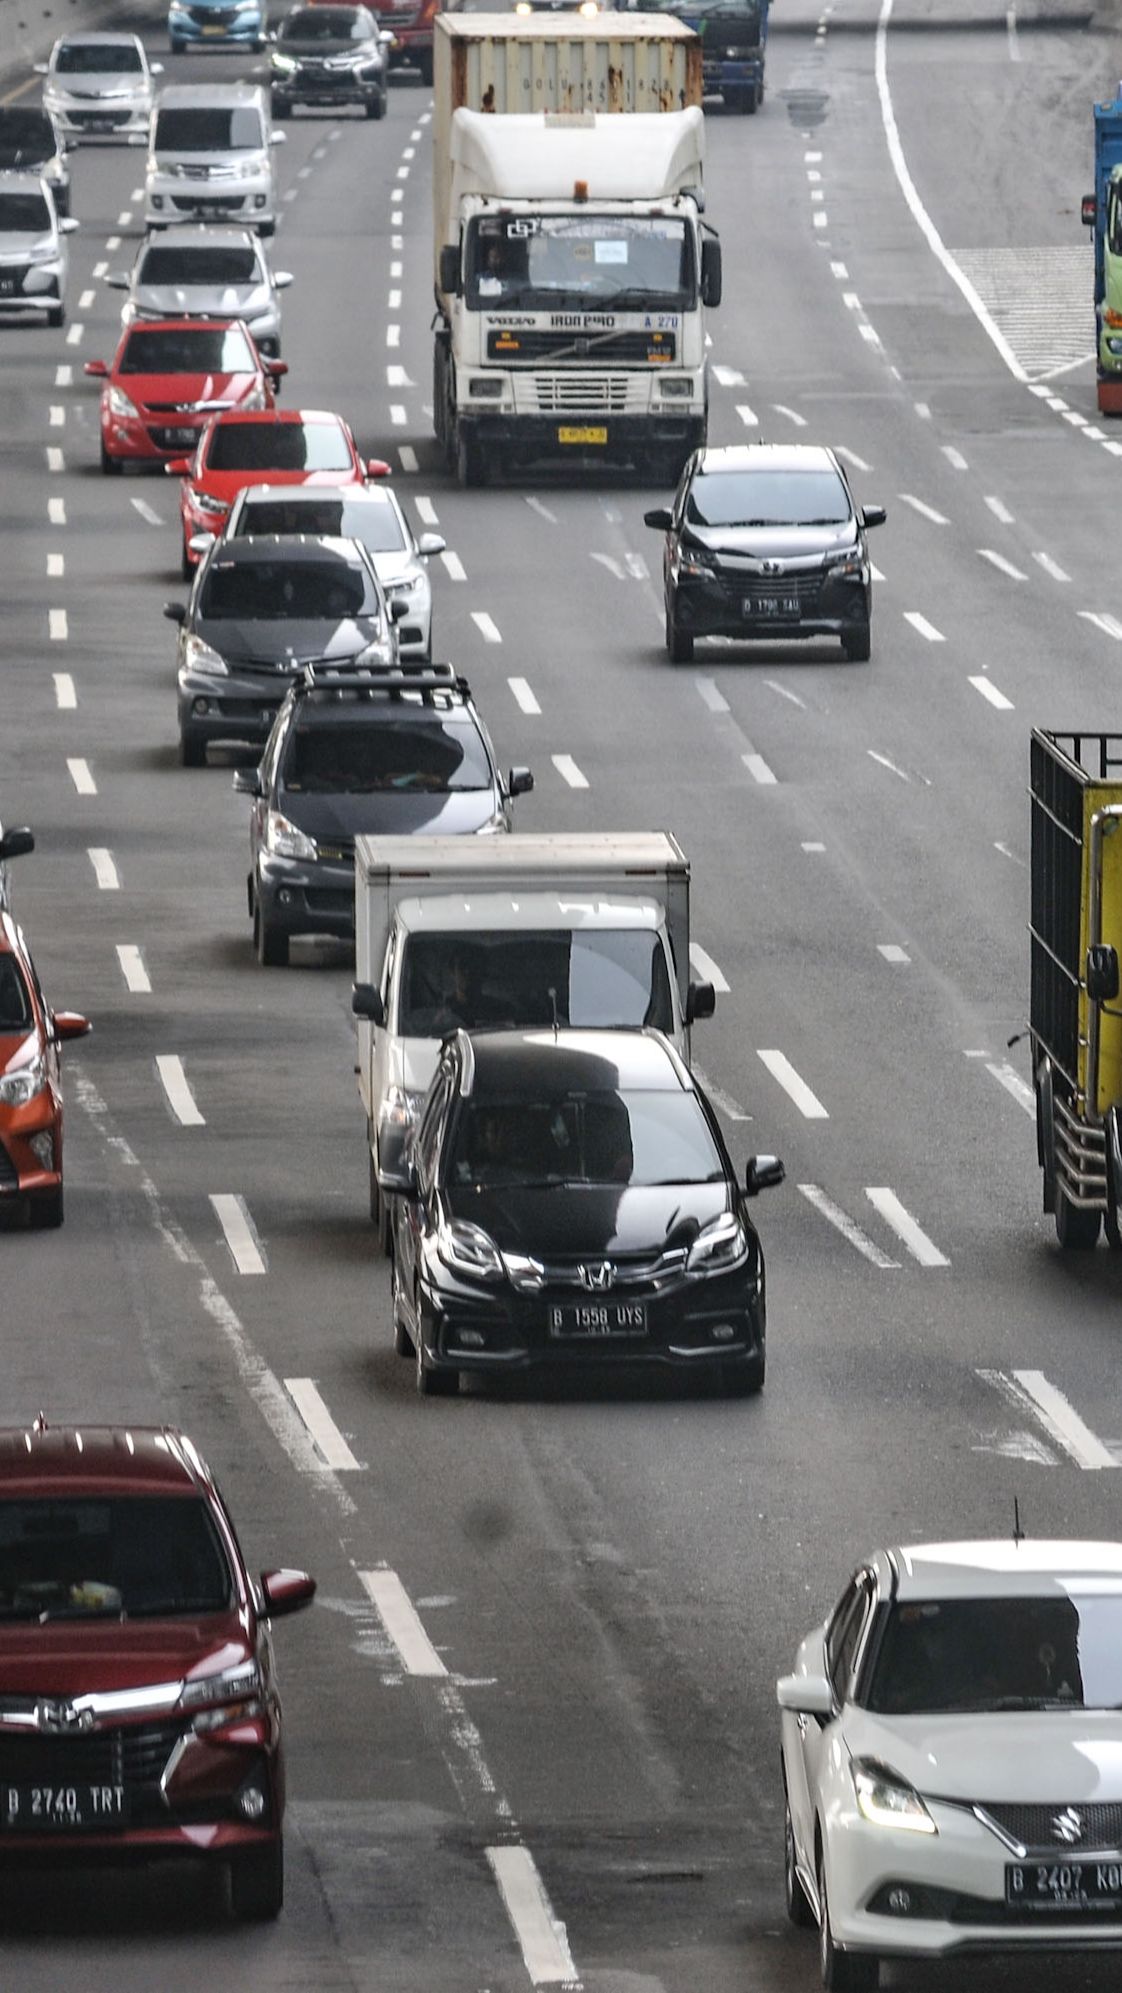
x: 495, y: 269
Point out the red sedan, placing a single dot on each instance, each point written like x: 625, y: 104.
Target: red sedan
x: 30, y: 1080
x: 280, y: 446
x: 139, y: 1715
x: 168, y: 377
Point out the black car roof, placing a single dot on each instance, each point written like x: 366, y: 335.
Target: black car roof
x: 519, y: 1064
x: 293, y: 548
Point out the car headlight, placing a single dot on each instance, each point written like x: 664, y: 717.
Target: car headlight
x: 493, y: 824
x: 406, y: 584
x: 119, y: 404
x: 888, y: 1801
x: 697, y: 560
x: 16, y: 1089
x: 252, y: 168
x: 206, y: 502
x: 285, y: 839
x: 400, y: 1108
x: 720, y: 1244
x: 845, y: 561
x: 224, y: 1697
x: 468, y: 1249
x: 199, y: 656
x: 43, y: 252
x: 285, y: 63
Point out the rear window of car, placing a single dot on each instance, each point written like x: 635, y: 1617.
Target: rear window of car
x: 169, y: 265
x: 278, y: 446
x: 192, y: 350
x: 24, y: 213
x: 407, y: 755
x: 97, y: 59
x: 768, y: 498
x: 374, y: 522
x: 271, y: 591
x: 208, y: 128
x: 16, y: 1013
x: 29, y: 133
x: 993, y: 1654
x: 135, y: 1556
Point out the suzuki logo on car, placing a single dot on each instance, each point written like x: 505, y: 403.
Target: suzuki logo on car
x: 1068, y: 1826
x: 597, y: 1276
x: 59, y: 1717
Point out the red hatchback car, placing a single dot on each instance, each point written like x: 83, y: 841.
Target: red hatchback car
x: 31, y: 1035
x: 281, y: 446
x: 139, y: 1715
x: 168, y: 377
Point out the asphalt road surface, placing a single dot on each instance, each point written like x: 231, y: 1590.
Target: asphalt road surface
x: 531, y: 1720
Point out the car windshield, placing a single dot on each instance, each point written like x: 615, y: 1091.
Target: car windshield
x: 275, y: 591
x: 328, y: 24
x: 24, y: 213
x: 126, y: 1557
x: 604, y: 1138
x: 278, y: 446
x: 25, y: 136
x: 1060, y: 1651
x: 98, y: 59
x: 591, y: 978
x: 768, y: 498
x: 188, y: 350
x: 581, y: 262
x: 372, y: 520
x: 726, y: 21
x: 208, y: 128
x: 169, y: 265
x: 367, y: 757
x: 15, y: 1004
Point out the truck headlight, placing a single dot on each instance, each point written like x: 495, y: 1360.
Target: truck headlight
x: 675, y: 386
x: 486, y: 387
x: 16, y: 1089
x: 888, y: 1801
x: 287, y: 840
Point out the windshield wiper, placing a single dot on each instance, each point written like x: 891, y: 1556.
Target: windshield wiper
x: 80, y: 1612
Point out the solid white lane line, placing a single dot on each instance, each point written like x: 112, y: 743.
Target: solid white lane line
x: 398, y: 416
x: 147, y: 512
x: 74, y: 335
x: 55, y: 459
x: 105, y: 871
x: 56, y: 567
x: 851, y: 457
x: 64, y: 376
x: 567, y: 768
x: 758, y: 769
x: 781, y: 1069
x: 181, y: 1100
x: 66, y: 698
x: 408, y: 457
x: 245, y: 1251
x: 747, y: 415
x: 719, y: 1097
x: 56, y: 415
x: 1051, y: 567
x: 58, y: 627
x: 1000, y: 510
x: 542, y: 1939
x: 792, y: 414
x: 426, y: 511
x: 453, y: 565
x: 925, y: 511
x: 396, y: 377
x: 1008, y: 1077
x: 707, y: 969
x: 925, y: 629
x: 727, y: 377
x: 954, y: 457
x: 523, y: 694
x: 1003, y: 566
x: 56, y: 510
x: 81, y: 777
x: 892, y: 951
x: 899, y: 1220
x: 847, y: 1226
x: 714, y: 699
x: 398, y: 1615
x: 989, y: 691
x: 487, y: 627
x: 543, y: 511
x: 1109, y: 625
x: 1030, y: 1391
x: 133, y: 969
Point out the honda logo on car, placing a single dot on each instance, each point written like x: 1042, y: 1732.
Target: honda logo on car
x: 597, y: 1276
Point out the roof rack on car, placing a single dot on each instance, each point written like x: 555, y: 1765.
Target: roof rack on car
x: 402, y: 677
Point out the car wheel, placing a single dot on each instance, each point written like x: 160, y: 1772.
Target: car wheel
x: 798, y: 1908
x: 257, y: 1884
x: 280, y: 112
x: 470, y: 469
x: 111, y: 466
x: 270, y: 944
x: 56, y: 314
x: 192, y: 751
x: 402, y: 1340
x: 1076, y: 1229
x: 858, y: 644
x: 266, y: 228
x: 842, y: 1971
x: 433, y: 1383
x: 679, y: 645
x: 376, y: 106
x: 425, y: 65
x: 177, y: 48
x: 743, y: 1376
x: 185, y: 567
x: 44, y: 1213
x: 380, y: 1213
x: 750, y: 102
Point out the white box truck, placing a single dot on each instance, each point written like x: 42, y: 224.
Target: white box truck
x: 571, y: 265
x: 579, y: 928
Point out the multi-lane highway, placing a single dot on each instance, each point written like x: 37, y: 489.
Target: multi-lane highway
x: 531, y: 1721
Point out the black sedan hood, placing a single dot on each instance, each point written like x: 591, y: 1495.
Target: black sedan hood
x: 594, y: 1219
x: 790, y: 543
x: 388, y: 812
x: 314, y: 45
x: 284, y: 640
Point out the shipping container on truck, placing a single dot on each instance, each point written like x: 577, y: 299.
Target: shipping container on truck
x: 1102, y: 212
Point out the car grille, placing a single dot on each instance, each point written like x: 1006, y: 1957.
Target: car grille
x: 1034, y: 1826
x: 11, y: 279
x: 639, y: 347
x: 127, y: 1756
x: 805, y: 588
x: 336, y: 906
x: 100, y: 120
x: 9, y: 1175
x: 582, y: 392
x: 653, y: 1271
x: 229, y: 204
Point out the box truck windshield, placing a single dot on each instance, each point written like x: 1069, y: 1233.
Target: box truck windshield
x: 594, y: 979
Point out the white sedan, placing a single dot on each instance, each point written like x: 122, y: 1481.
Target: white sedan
x: 952, y: 1756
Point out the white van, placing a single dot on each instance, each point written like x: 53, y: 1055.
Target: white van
x: 210, y: 157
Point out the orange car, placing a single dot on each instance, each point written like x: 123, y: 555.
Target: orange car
x: 31, y: 1035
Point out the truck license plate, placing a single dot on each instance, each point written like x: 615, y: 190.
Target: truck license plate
x: 584, y: 434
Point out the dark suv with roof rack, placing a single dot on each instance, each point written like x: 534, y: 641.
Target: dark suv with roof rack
x: 352, y: 750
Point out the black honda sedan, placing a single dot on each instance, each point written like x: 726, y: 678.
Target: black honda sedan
x: 570, y: 1202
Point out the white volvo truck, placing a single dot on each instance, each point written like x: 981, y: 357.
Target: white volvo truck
x: 572, y: 267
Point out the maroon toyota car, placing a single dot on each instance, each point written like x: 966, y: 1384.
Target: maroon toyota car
x: 139, y: 1715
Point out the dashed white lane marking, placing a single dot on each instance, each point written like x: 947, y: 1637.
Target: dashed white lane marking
x: 567, y: 768
x: 81, y: 777
x: 393, y: 300
x: 869, y: 332
x: 781, y: 1069
x: 542, y: 1939
x: 874, y: 572
x: 613, y: 566
x: 840, y: 271
x: 813, y: 845
x: 747, y: 415
x: 487, y: 627
x: 851, y: 301
x: 523, y: 694
x: 758, y: 769
x: 55, y: 459
x: 397, y: 241
x: 426, y: 511
x: 989, y: 691
x: 727, y: 377
x: 1056, y: 403
x: 883, y: 761
x: 240, y: 1234
x: 1000, y: 511
x: 409, y: 151
x: 124, y: 219
x: 923, y: 411
x: 393, y: 335
x: 304, y: 173
x: 403, y: 172
x: 398, y: 415
x: 851, y: 457
x: 56, y: 567
x: 1109, y: 625
x: 1007, y: 853
x: 99, y: 269
x: 147, y: 512
x: 181, y: 1100
x: 75, y: 333
x: 56, y: 415
x: 820, y: 220
x: 66, y: 697
x: 899, y: 1220
x: 320, y: 152
x: 454, y: 566
x: 707, y: 969
x: 1077, y: 420
x: 1031, y: 1392
x: 719, y: 1097
x: 793, y: 699
x: 1051, y: 567
x: 847, y: 1226
x: 925, y: 511
x: 137, y: 194
x: 56, y: 510
x: 398, y: 1615
x: 309, y: 1404
x: 64, y: 375
x: 543, y: 511
x: 792, y: 414
x: 290, y: 193
x: 954, y: 457
x: 105, y: 871
x: 407, y: 457
x: 924, y: 628
x: 112, y: 242
x: 636, y: 566
x: 396, y: 377
x: 58, y: 627
x: 85, y: 301
x: 714, y: 699
x: 1008, y: 1077
x: 133, y: 969
x: 892, y: 952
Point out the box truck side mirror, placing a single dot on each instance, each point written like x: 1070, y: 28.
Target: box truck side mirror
x: 366, y: 1002
x: 1088, y: 210
x: 711, y: 273
x: 701, y: 1001
x: 1102, y: 973
x: 450, y: 269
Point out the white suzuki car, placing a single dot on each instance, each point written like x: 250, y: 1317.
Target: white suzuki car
x: 952, y: 1757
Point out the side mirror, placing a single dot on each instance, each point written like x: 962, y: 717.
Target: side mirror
x: 449, y: 270
x: 762, y: 1173
x: 282, y: 279
x: 39, y: 68
x: 806, y: 1695
x: 176, y: 612
x: 660, y: 518
x: 286, y: 1591
x: 398, y: 609
x: 519, y: 782
x: 431, y: 543
x: 201, y: 543
x: 278, y: 138
x: 177, y: 467
x: 366, y: 1001
x: 386, y: 38
x: 1102, y: 973
x: 1089, y: 209
x: 276, y: 369
x: 247, y: 781
x: 97, y: 369
x: 873, y: 515
x: 68, y: 225
x: 16, y: 842
x: 155, y: 69
x: 68, y: 1024
x: 136, y: 138
x: 377, y: 467
x: 711, y: 273
x: 118, y: 280
x: 701, y: 1001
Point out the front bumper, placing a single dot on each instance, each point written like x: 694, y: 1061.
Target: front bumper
x: 732, y: 74
x: 732, y: 604
x: 101, y: 121
x: 302, y: 896
x: 328, y: 87
x: 619, y: 439
x: 237, y: 710
x: 31, y: 287
x: 168, y: 201
x: 148, y: 439
x: 26, y: 1170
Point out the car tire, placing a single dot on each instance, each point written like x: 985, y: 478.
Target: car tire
x: 842, y: 1971
x: 799, y: 1911
x: 679, y: 644
x: 376, y: 106
x: 257, y: 1884
x: 270, y: 944
x: 433, y: 1383
x: 192, y: 751
x: 743, y: 1376
x: 45, y: 1212
x: 424, y: 64
x: 56, y: 315
x: 858, y: 644
x: 280, y: 112
x: 470, y: 470
x: 1076, y: 1229
x: 111, y: 466
x: 266, y: 228
x: 177, y: 48
x: 185, y: 567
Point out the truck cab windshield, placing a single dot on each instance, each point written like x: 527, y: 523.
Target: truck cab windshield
x: 584, y: 262
x: 592, y: 978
